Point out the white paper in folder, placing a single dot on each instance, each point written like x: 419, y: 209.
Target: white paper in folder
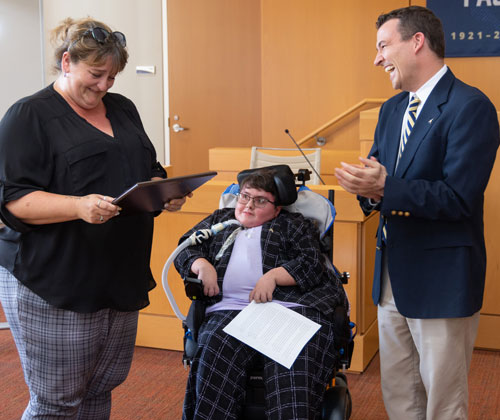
x: 275, y: 331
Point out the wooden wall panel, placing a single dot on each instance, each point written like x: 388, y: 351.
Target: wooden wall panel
x: 491, y: 303
x: 317, y: 61
x: 481, y: 72
x: 346, y: 258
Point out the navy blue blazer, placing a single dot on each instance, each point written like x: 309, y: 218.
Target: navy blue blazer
x: 433, y: 200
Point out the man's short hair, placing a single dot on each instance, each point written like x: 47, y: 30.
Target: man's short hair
x: 415, y: 19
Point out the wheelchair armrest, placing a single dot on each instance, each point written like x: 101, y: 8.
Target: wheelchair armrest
x: 193, y: 288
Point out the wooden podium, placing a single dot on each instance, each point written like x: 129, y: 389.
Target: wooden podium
x: 354, y: 251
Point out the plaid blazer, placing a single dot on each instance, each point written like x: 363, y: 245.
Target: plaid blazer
x: 289, y: 241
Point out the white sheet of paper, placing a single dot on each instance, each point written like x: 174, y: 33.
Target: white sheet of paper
x: 275, y: 331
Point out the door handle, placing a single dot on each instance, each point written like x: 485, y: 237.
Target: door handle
x: 177, y: 127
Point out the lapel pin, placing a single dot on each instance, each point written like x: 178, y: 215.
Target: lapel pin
x: 430, y: 121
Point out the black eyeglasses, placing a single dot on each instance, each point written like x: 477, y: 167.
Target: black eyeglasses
x: 257, y: 201
x: 102, y: 36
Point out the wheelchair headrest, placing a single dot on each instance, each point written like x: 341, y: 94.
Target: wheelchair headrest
x: 310, y: 204
x: 284, y: 180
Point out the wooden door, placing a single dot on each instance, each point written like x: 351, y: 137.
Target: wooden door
x: 214, y: 72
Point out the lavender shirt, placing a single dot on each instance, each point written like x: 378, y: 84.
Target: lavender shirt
x: 243, y: 271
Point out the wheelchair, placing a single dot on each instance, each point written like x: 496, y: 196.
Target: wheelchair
x: 337, y: 402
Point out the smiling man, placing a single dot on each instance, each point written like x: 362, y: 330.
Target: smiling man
x: 434, y: 149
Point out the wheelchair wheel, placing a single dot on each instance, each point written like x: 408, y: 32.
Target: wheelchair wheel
x: 337, y: 403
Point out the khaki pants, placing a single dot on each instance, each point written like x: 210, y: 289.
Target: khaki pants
x: 424, y: 363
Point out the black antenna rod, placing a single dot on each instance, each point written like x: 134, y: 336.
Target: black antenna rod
x: 305, y: 157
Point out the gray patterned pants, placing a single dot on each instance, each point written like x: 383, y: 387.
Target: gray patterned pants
x: 71, y: 361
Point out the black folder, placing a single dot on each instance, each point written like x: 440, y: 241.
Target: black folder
x: 150, y: 196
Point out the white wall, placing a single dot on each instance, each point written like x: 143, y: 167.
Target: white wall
x: 21, y: 69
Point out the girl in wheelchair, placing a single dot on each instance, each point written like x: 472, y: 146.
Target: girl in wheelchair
x: 270, y: 254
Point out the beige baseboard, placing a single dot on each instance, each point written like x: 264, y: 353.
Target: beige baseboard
x: 488, y: 334
x: 160, y: 331
x: 365, y: 347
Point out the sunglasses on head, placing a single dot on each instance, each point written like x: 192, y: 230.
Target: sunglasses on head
x: 102, y: 36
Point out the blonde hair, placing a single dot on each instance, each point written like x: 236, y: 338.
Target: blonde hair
x: 69, y: 36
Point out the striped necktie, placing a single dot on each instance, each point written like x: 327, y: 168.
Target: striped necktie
x: 410, y: 122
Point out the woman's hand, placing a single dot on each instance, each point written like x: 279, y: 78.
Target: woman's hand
x: 205, y: 271
x: 176, y: 203
x: 96, y: 208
